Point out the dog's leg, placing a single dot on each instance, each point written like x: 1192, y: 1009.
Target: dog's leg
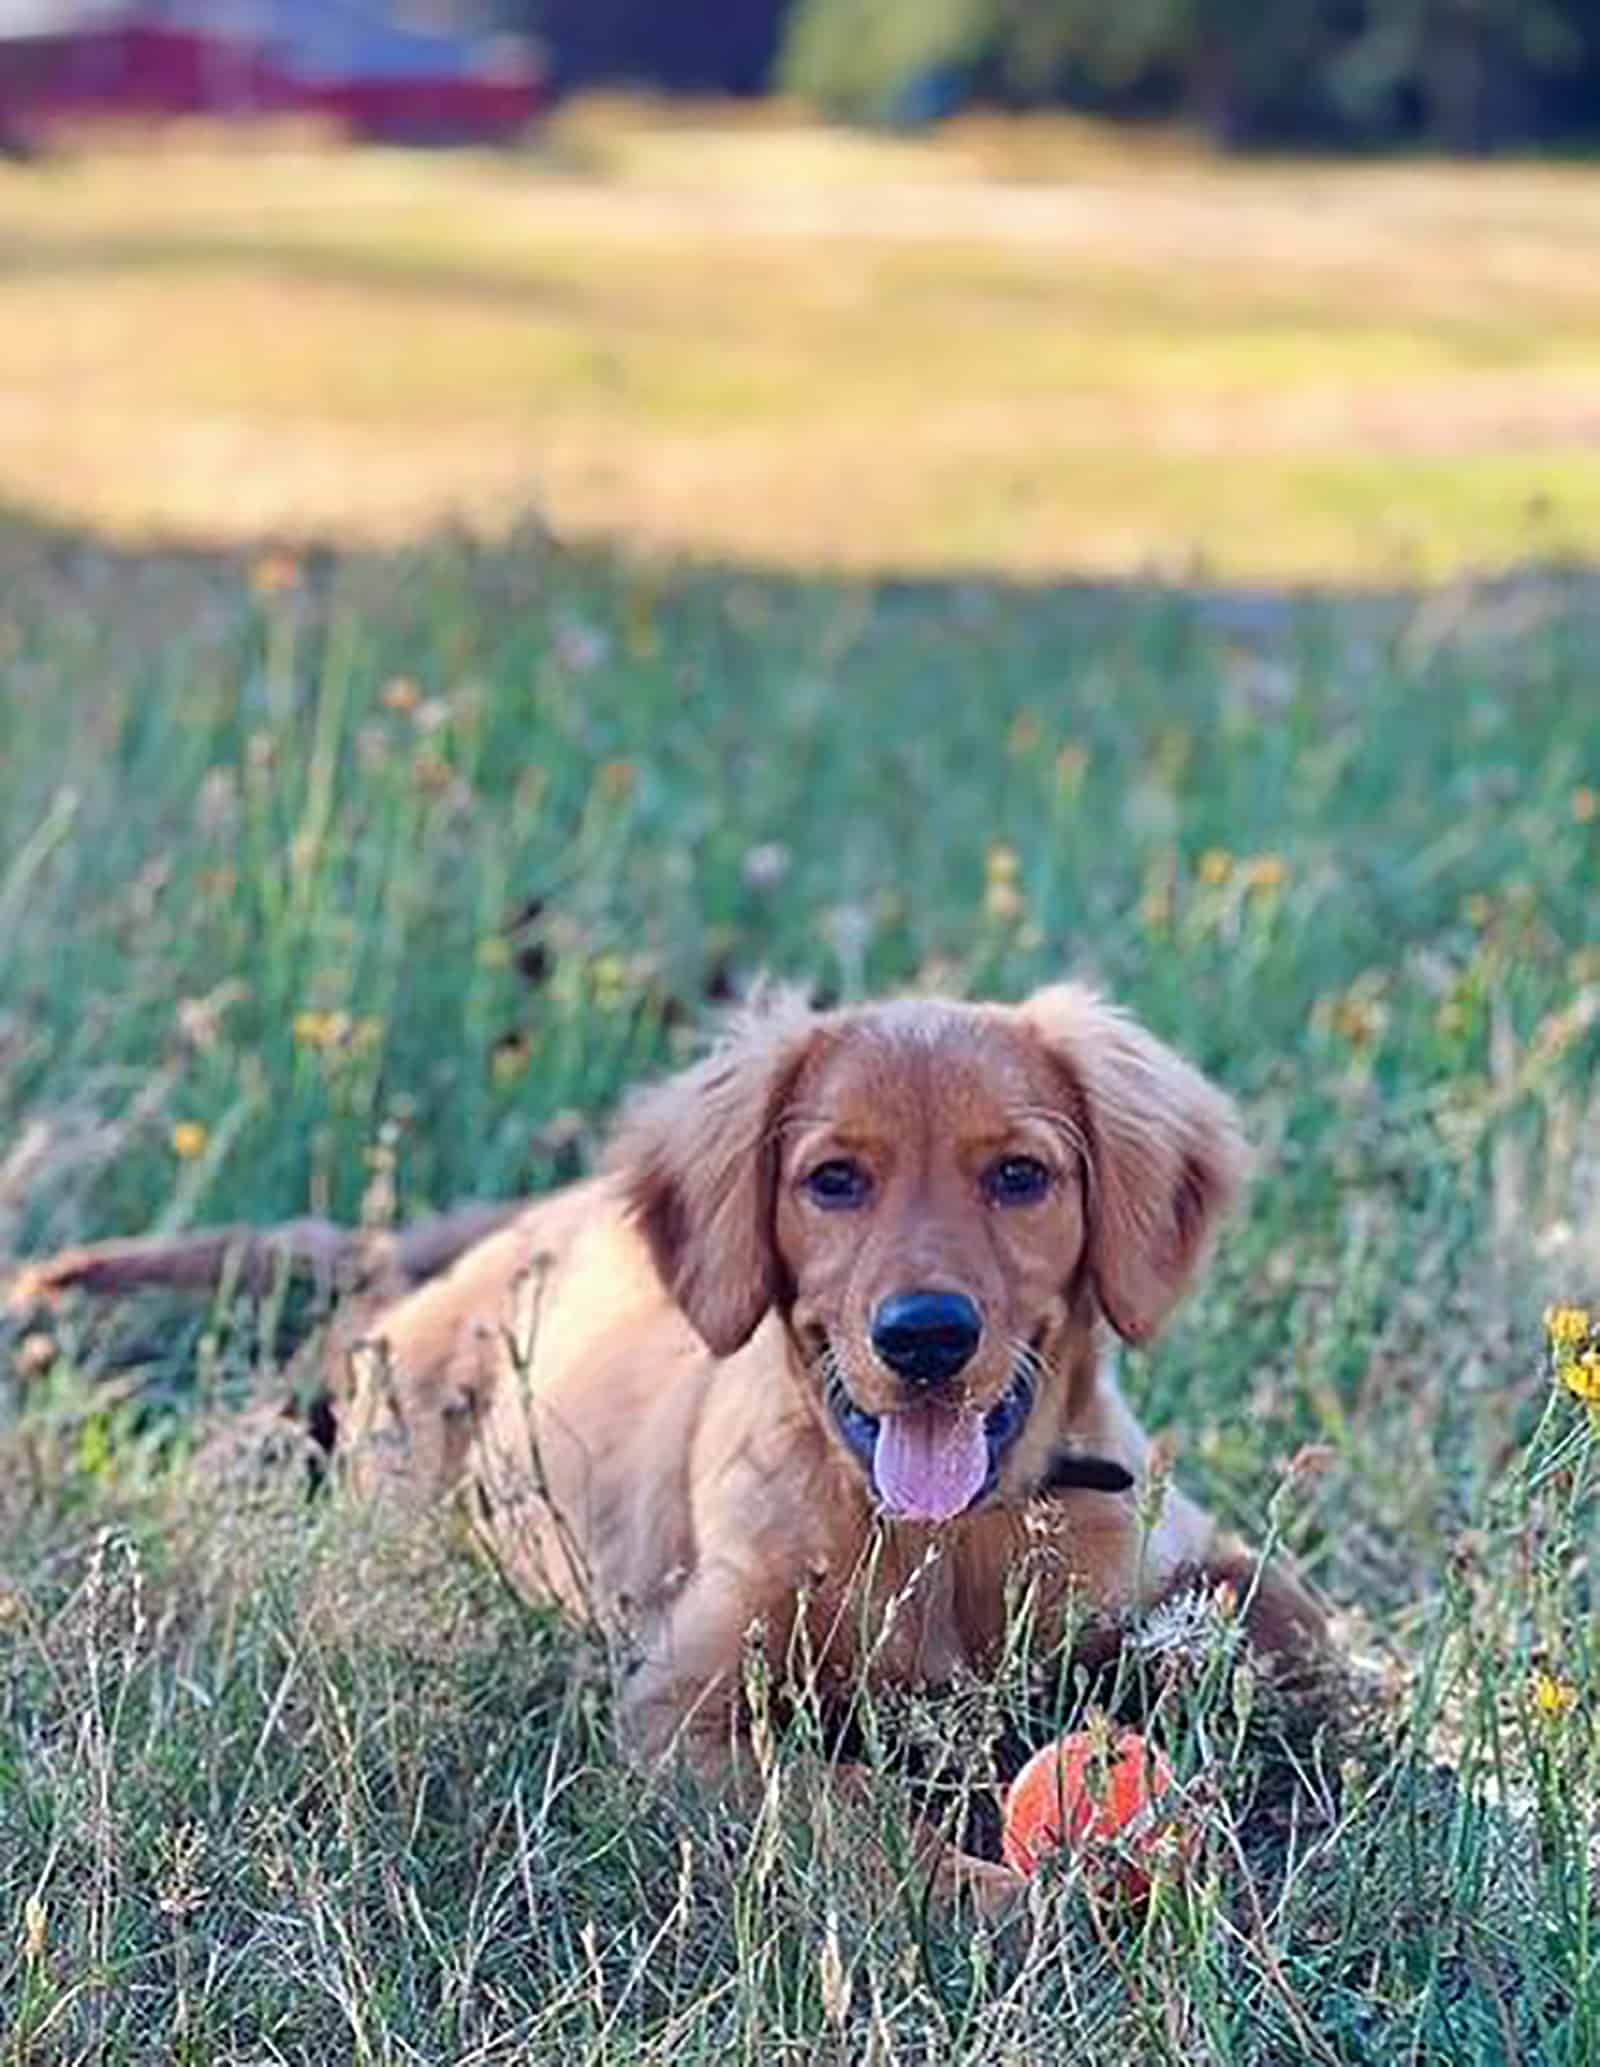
x: 1286, y: 1625
x: 681, y: 1702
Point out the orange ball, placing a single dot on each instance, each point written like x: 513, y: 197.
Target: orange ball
x: 1067, y: 1795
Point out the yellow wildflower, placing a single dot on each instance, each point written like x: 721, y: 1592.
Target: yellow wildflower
x: 508, y: 1059
x: 494, y: 952
x: 1266, y: 872
x: 1551, y: 1696
x: 1566, y: 1326
x: 1359, y: 1019
x: 1581, y: 1376
x: 609, y: 976
x: 189, y: 1140
x: 274, y: 574
x: 1215, y: 866
x: 1002, y: 900
x: 1000, y: 864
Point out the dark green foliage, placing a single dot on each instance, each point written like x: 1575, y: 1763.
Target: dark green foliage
x: 1441, y: 72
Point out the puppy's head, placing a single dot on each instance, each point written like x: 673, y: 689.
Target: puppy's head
x: 933, y: 1195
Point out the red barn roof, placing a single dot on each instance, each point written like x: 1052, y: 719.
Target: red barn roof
x: 377, y: 73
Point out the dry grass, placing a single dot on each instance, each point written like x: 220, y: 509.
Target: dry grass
x: 368, y: 883
x: 781, y: 344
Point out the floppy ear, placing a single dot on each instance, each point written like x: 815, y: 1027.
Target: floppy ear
x: 1165, y: 1152
x: 698, y: 1160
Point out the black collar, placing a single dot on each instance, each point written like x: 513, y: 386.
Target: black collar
x: 1070, y: 1472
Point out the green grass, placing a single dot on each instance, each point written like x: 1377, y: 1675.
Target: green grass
x: 1002, y: 349
x: 275, y: 1787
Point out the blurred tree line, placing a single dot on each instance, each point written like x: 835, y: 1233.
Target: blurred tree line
x: 1460, y: 75
x: 1464, y: 75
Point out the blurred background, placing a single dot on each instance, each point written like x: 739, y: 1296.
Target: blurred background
x: 1182, y: 288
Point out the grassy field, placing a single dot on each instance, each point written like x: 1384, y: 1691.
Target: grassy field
x: 362, y: 879
x: 275, y: 833
x: 1018, y: 349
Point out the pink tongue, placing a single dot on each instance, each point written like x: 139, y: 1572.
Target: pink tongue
x: 929, y: 1462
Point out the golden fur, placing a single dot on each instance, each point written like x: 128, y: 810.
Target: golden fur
x: 631, y: 1377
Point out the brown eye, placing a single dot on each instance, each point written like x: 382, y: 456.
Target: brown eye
x: 838, y: 1183
x: 1016, y: 1181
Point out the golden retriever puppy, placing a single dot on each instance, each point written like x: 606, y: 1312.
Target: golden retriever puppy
x: 829, y: 1340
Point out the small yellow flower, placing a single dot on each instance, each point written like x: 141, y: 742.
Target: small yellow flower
x: 1566, y: 1326
x: 1551, y: 1696
x: 275, y: 574
x: 312, y: 1029
x: 1215, y: 866
x: 608, y: 974
x: 1000, y: 864
x: 1359, y: 1019
x: 1581, y: 1376
x: 1266, y: 872
x: 508, y: 1059
x: 1002, y: 900
x: 189, y: 1140
x: 1585, y: 804
x: 494, y: 952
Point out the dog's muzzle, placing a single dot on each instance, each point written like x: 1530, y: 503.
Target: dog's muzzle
x: 930, y: 1463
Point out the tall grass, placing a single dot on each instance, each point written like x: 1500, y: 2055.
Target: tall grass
x: 365, y: 883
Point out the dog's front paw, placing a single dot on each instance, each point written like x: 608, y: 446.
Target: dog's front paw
x: 996, y: 1891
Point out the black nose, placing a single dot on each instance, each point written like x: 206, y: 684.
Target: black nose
x: 926, y: 1336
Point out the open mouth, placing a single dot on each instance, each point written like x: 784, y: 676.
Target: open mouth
x: 931, y: 1462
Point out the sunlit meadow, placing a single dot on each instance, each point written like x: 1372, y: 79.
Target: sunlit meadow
x: 362, y: 879
x: 1027, y: 347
